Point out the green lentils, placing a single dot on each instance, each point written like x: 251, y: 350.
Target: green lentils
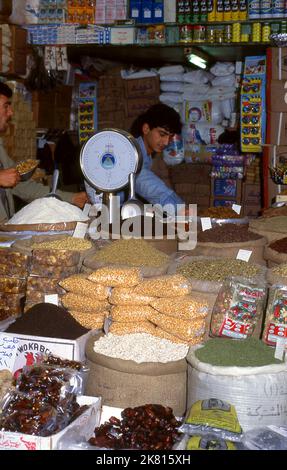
x: 132, y: 252
x: 217, y: 270
x: 250, y: 352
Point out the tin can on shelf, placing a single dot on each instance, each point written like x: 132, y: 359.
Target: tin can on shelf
x: 210, y: 35
x: 185, y: 33
x: 236, y: 30
x: 266, y: 31
x: 199, y: 33
x: 283, y: 28
x: 227, y: 33
x: 256, y: 32
x: 219, y: 35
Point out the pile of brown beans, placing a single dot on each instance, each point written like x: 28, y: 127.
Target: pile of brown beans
x: 227, y: 233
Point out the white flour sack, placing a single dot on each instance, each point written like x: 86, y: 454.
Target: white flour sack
x: 258, y: 393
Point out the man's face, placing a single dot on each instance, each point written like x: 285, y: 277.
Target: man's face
x: 6, y: 112
x: 155, y: 139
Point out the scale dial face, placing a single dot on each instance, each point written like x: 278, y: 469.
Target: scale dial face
x: 108, y: 158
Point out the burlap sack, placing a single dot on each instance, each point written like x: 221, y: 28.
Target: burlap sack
x: 124, y: 384
x: 273, y: 257
x: 271, y: 228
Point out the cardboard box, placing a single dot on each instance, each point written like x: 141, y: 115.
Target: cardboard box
x: 136, y: 106
x: 30, y: 348
x: 278, y: 95
x: 251, y: 194
x: 141, y: 87
x: 83, y: 427
x: 191, y: 173
x: 123, y: 35
x: 252, y: 211
x: 278, y: 128
x: 278, y: 63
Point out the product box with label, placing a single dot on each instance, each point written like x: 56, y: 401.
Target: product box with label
x: 136, y: 106
x: 141, y: 87
x: 82, y: 427
x: 123, y: 35
x: 29, y: 349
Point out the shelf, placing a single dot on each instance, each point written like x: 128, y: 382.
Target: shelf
x: 157, y: 54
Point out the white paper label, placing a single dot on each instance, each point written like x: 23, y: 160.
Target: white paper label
x: 52, y: 299
x: 236, y: 208
x: 80, y: 230
x: 280, y: 348
x: 87, y: 209
x: 244, y: 255
x: 206, y: 223
x: 8, y: 350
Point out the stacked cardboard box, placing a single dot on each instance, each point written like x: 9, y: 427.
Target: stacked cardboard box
x: 140, y: 94
x: 52, y: 109
x: 192, y: 183
x: 251, y: 199
x: 111, y: 102
x: 13, y: 43
x: 20, y: 138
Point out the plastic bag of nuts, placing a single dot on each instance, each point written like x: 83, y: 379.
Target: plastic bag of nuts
x: 237, y: 309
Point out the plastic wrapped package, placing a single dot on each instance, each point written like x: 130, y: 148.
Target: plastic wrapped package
x: 84, y: 303
x: 15, y: 258
x: 182, y: 307
x: 12, y: 285
x: 33, y: 296
x: 10, y: 312
x: 206, y: 441
x: 56, y: 257
x: 197, y: 77
x: 127, y: 296
x: 187, y: 330
x: 212, y: 416
x: 131, y: 313
x: 117, y: 277
x: 276, y: 315
x: 237, y: 309
x: 11, y: 300
x: 221, y: 69
x: 79, y: 284
x: 124, y: 328
x: 13, y: 270
x: 44, y: 284
x: 174, y: 285
x: 266, y: 438
x: 42, y: 270
x: 227, y: 80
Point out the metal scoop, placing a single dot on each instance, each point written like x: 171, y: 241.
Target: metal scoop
x: 55, y: 179
x: 132, y: 207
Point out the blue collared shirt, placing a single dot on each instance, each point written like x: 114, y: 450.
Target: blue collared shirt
x: 148, y: 185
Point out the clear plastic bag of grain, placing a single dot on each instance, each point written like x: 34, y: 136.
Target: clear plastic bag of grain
x: 12, y: 285
x: 83, y: 303
x: 116, y: 277
x: 90, y: 320
x: 239, y: 306
x: 276, y: 315
x: 8, y: 312
x: 44, y: 284
x: 13, y: 270
x: 187, y: 330
x: 131, y: 313
x: 34, y: 296
x: 127, y: 296
x: 56, y: 257
x: 174, y: 285
x: 52, y: 271
x: 160, y: 333
x: 15, y: 258
x: 79, y: 284
x: 124, y: 328
x: 180, y: 307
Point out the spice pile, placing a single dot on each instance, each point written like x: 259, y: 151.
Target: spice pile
x: 220, y: 213
x: 279, y: 245
x: 227, y: 233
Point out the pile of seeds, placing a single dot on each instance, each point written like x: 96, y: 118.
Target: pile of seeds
x: 132, y: 252
x: 279, y: 245
x: 217, y: 270
x: 281, y: 270
x: 220, y: 213
x: 227, y: 233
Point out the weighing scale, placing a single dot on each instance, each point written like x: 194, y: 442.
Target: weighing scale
x: 109, y: 160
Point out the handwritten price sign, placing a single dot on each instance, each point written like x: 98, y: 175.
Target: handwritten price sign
x: 8, y: 350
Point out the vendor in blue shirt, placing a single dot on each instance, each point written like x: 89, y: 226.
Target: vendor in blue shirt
x: 153, y: 131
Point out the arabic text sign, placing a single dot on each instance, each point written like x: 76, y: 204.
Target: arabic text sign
x: 8, y: 350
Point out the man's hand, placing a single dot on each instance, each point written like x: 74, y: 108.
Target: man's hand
x: 80, y: 199
x: 9, y: 178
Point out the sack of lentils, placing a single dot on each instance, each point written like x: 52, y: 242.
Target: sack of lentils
x: 227, y: 239
x: 276, y: 252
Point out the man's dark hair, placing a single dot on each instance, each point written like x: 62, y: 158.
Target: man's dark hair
x: 158, y: 115
x: 5, y: 90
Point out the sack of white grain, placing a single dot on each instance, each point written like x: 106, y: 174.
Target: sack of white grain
x: 129, y: 370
